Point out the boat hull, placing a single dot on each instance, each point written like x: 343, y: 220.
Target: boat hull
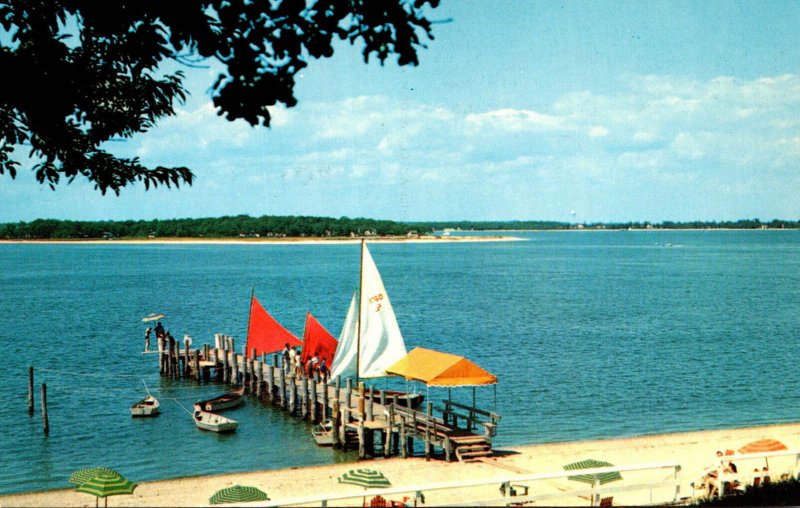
x: 213, y: 422
x: 148, y: 406
x: 323, y: 433
x: 225, y: 401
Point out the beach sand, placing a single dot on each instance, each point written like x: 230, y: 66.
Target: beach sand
x: 692, y: 450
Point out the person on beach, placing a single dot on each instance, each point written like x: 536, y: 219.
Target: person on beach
x: 147, y: 339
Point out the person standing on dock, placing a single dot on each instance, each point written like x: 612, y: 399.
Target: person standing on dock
x: 160, y: 330
x: 287, y: 365
x: 147, y: 339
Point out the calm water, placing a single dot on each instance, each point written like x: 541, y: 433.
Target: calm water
x: 590, y: 334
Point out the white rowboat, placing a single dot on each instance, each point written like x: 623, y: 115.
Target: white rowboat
x: 213, y: 422
x: 148, y: 406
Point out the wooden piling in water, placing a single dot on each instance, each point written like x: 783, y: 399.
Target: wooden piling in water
x: 197, y: 373
x: 369, y: 404
x: 312, y: 404
x: 186, y: 357
x: 282, y: 388
x: 271, y: 383
x: 225, y: 367
x: 324, y: 399
x: 30, y: 390
x: 304, y: 401
x: 45, y: 419
x: 336, y: 421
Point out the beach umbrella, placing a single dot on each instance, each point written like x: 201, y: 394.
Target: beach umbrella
x: 106, y: 484
x: 153, y: 317
x: 367, y: 478
x: 601, y: 478
x: 84, y: 475
x: 763, y: 446
x: 238, y: 494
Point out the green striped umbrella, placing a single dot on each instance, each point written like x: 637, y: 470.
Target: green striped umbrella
x: 238, y: 494
x: 84, y: 475
x: 367, y: 478
x: 603, y: 478
x: 107, y: 484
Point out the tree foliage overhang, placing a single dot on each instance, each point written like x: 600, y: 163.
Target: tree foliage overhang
x: 78, y: 73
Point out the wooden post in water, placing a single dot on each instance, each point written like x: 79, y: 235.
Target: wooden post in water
x: 197, y: 373
x: 245, y: 370
x: 312, y: 400
x: 362, y: 443
x: 303, y: 402
x: 186, y: 356
x: 336, y: 422
x: 324, y: 400
x: 30, y: 390
x: 428, y: 423
x: 369, y: 403
x: 218, y: 340
x: 161, y: 355
x: 235, y: 367
x: 271, y: 383
x: 282, y: 388
x: 348, y: 392
x: 45, y: 420
x: 225, y: 367
x: 387, y: 445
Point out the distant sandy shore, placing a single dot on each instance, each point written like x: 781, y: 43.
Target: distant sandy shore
x: 692, y: 450
x: 278, y: 241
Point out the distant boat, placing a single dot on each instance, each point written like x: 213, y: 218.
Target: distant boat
x: 323, y: 433
x: 148, y: 406
x: 213, y: 422
x: 224, y: 401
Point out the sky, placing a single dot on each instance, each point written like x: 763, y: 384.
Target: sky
x: 580, y: 111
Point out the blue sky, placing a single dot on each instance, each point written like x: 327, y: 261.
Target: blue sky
x: 572, y: 111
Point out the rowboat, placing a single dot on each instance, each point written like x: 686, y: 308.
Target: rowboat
x: 323, y: 433
x: 148, y: 406
x: 213, y: 422
x: 224, y: 401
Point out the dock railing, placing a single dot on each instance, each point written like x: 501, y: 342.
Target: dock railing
x: 590, y: 494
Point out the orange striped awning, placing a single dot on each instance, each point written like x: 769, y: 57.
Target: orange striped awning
x: 763, y: 446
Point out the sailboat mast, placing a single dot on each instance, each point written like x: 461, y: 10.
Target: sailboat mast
x: 249, y: 316
x: 358, y: 332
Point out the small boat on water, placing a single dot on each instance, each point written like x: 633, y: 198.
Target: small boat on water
x: 224, y: 401
x: 213, y: 422
x: 323, y: 433
x: 148, y: 406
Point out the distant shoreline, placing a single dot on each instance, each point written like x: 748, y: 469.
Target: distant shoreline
x: 269, y: 241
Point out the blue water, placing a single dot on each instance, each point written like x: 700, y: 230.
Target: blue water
x: 591, y: 334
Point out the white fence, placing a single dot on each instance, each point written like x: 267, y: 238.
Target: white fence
x: 591, y: 494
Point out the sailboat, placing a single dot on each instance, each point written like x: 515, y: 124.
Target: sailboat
x: 371, y: 340
x: 264, y: 333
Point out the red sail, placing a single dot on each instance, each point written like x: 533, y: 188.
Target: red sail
x: 265, y: 334
x: 316, y: 339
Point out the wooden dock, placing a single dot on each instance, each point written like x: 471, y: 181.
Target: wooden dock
x: 359, y: 414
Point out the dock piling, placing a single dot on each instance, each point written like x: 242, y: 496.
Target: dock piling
x: 30, y: 390
x: 45, y: 419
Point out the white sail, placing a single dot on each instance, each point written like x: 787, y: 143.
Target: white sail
x: 344, y: 360
x: 381, y: 343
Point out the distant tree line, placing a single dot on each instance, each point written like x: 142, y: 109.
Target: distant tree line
x: 219, y: 227
x: 319, y: 227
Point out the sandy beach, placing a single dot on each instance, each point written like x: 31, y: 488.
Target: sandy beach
x: 692, y: 450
